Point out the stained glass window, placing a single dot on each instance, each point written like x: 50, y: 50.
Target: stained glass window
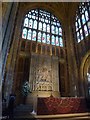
x: 79, y: 23
x: 88, y: 26
x: 81, y: 34
x: 57, y: 42
x: 58, y: 24
x: 78, y: 36
x: 53, y: 40
x: 42, y: 26
x: 39, y: 37
x: 76, y: 24
x: 34, y: 36
x: 53, y: 29
x: 60, y: 31
x: 57, y: 30
x: 86, y: 15
x: 29, y: 34
x: 48, y: 39
x: 48, y: 28
x: 82, y: 23
x: 24, y: 34
x: 83, y: 19
x: 30, y: 23
x: 44, y: 38
x: 26, y: 22
x: 61, y: 41
x: 85, y: 30
x: 35, y: 24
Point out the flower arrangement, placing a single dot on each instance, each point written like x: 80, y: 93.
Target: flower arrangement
x: 26, y: 88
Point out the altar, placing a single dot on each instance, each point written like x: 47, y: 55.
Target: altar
x: 64, y: 105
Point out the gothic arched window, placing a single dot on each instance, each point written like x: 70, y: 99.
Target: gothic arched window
x: 82, y: 23
x: 42, y: 26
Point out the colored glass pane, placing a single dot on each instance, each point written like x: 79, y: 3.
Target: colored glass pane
x: 35, y: 24
x: 60, y: 42
x: 54, y: 23
x: 79, y: 23
x: 76, y: 24
x: 44, y: 38
x: 42, y: 19
x: 85, y: 30
x: 40, y: 26
x: 30, y: 23
x: 44, y: 27
x: 39, y: 37
x: 53, y: 40
x: 56, y: 30
x: 88, y: 24
x: 83, y: 19
x: 29, y: 12
x: 60, y: 31
x: 34, y: 36
x: 26, y: 22
x: 57, y: 42
x: 29, y: 34
x: 82, y: 11
x: 28, y: 15
x: 53, y: 29
x: 24, y: 33
x: 48, y: 28
x: 46, y: 20
x: 81, y: 34
x: 86, y: 15
x: 78, y: 36
x: 48, y: 39
x: 58, y: 24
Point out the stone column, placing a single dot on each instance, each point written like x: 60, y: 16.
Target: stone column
x: 7, y: 39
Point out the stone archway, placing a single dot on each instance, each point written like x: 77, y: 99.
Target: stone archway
x: 84, y: 69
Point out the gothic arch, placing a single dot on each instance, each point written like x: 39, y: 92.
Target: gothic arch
x: 85, y: 65
x: 47, y: 6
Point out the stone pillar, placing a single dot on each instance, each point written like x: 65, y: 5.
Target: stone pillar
x: 71, y: 60
x: 7, y: 39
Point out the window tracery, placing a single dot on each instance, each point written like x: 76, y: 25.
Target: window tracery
x: 82, y: 23
x: 42, y: 26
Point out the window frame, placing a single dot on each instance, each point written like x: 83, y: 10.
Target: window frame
x: 47, y: 18
x: 85, y: 8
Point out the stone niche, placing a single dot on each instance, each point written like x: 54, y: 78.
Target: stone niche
x: 43, y: 76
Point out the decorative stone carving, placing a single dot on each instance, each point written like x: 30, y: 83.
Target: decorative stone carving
x: 44, y: 74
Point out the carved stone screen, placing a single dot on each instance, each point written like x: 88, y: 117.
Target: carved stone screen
x: 44, y: 73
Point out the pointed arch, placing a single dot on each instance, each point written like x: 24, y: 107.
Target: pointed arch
x: 42, y: 26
